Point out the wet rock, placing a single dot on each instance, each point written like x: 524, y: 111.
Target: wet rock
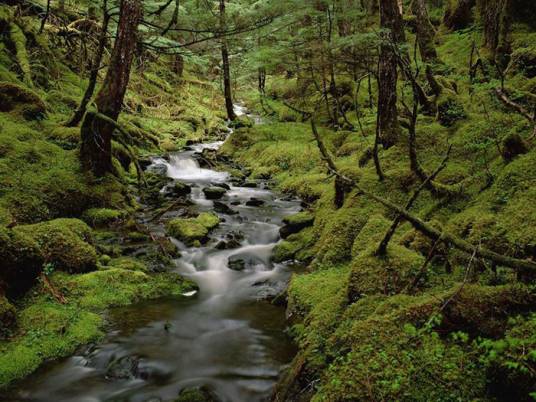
x: 214, y: 193
x: 145, y: 163
x: 250, y: 184
x: 235, y: 203
x: 179, y: 189
x: 201, y: 394
x: 296, y: 223
x: 242, y: 261
x: 124, y: 368
x: 223, y: 208
x: 269, y: 290
x: 222, y: 185
x: 255, y: 202
x: 158, y: 168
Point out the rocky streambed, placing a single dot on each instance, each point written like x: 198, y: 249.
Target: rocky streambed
x: 223, y: 342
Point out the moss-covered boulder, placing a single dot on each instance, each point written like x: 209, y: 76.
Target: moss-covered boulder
x: 296, y: 223
x: 64, y: 243
x: 192, y: 230
x: 387, y: 274
x: 98, y: 217
x: 22, y: 261
x: 297, y: 246
x: 18, y: 99
x: 214, y: 193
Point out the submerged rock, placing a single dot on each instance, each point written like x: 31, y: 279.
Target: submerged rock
x: 223, y: 208
x: 255, y: 202
x: 242, y: 261
x: 201, y: 394
x: 124, y: 368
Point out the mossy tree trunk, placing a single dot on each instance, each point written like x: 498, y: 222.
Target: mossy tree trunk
x: 390, y: 20
x: 96, y: 133
x: 496, y: 21
x: 95, y: 67
x: 459, y: 14
x: 227, y: 88
x: 425, y: 32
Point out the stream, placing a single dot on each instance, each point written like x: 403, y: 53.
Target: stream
x: 225, y: 337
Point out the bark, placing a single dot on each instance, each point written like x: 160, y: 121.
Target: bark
x: 97, y: 133
x: 390, y: 20
x: 45, y: 17
x: 95, y: 67
x: 459, y: 14
x: 425, y: 32
x: 496, y: 20
x: 227, y: 89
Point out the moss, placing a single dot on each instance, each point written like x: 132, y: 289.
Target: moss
x: 296, y: 246
x: 7, y: 317
x: 388, y: 274
x: 98, y: 217
x: 64, y: 243
x: 22, y: 262
x: 191, y: 230
x: 127, y: 263
x: 18, y: 99
x: 370, y: 235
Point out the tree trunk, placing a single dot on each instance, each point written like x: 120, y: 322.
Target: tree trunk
x: 425, y: 32
x: 95, y: 67
x: 227, y: 89
x: 97, y: 134
x: 459, y: 14
x: 390, y: 20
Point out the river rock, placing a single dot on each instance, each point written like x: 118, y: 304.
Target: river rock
x: 200, y: 394
x: 296, y: 223
x: 222, y: 185
x: 179, y: 189
x: 250, y: 184
x: 223, y: 208
x: 255, y: 202
x: 214, y: 193
x: 242, y: 261
x: 158, y: 168
x: 124, y: 368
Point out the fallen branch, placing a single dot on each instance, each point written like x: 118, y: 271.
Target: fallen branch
x: 382, y: 248
x: 53, y: 291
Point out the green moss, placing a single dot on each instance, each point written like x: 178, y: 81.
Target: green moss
x: 296, y: 246
x: 191, y: 230
x: 7, y: 317
x: 64, y: 243
x: 18, y: 99
x: 370, y: 235
x: 388, y: 274
x: 98, y: 217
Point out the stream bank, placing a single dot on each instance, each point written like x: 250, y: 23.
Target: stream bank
x: 226, y: 337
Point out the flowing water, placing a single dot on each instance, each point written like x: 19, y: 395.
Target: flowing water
x: 224, y: 336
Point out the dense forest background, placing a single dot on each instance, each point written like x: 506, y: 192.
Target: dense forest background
x: 406, y: 127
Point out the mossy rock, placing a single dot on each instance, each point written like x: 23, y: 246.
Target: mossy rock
x: 387, y: 274
x: 192, y: 230
x: 297, y: 246
x: 296, y: 223
x: 64, y: 243
x: 22, y: 261
x: 201, y: 394
x: 449, y: 109
x: 18, y: 99
x: 513, y: 145
x: 98, y: 217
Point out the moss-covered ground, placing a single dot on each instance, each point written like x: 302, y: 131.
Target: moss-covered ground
x: 393, y: 327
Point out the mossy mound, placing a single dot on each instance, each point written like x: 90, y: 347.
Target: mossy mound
x: 7, y: 316
x: 99, y: 217
x: 386, y: 275
x: 296, y: 246
x: 192, y: 230
x: 20, y: 100
x: 22, y: 261
x: 64, y: 243
x: 370, y: 235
